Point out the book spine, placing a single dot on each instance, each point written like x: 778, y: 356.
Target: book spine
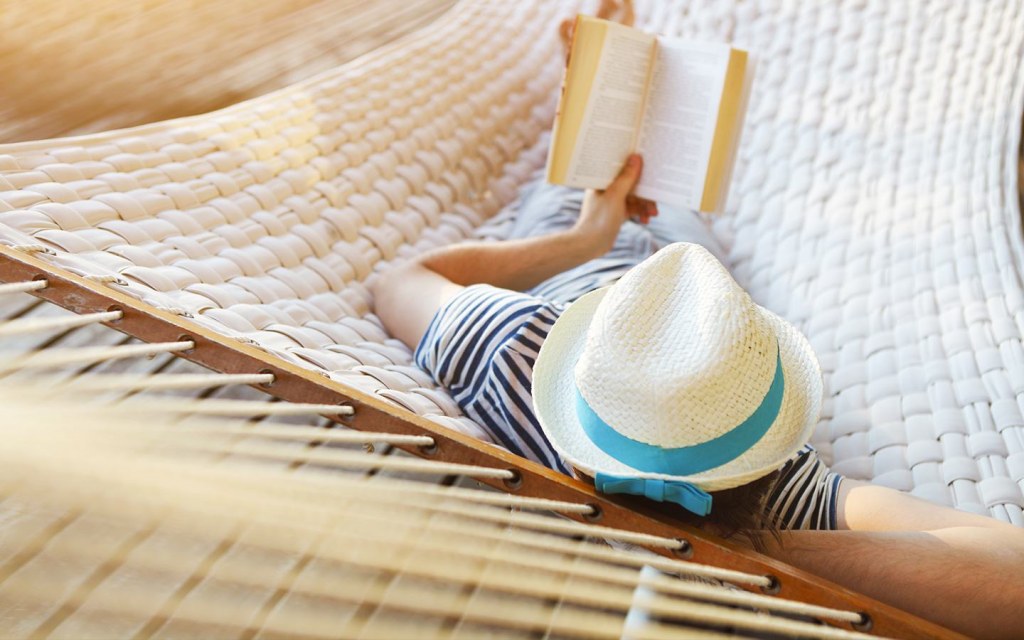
x: 550, y: 172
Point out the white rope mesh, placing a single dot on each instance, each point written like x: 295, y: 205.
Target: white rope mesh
x: 873, y: 205
x: 133, y: 488
x: 240, y: 408
x: 55, y: 358
x: 51, y: 324
x: 21, y: 287
x: 113, y: 382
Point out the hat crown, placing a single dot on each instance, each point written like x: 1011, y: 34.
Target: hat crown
x: 677, y: 353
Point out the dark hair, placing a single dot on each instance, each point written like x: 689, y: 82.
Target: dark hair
x: 745, y: 510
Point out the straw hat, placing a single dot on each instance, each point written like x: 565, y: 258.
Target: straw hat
x: 674, y: 375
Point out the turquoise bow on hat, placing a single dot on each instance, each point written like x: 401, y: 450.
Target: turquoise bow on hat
x: 686, y: 495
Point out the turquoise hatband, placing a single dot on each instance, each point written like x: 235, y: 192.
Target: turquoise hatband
x: 685, y: 461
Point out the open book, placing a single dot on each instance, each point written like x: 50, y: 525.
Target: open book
x: 680, y: 104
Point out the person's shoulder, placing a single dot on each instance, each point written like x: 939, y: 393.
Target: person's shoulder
x: 804, y: 495
x: 481, y: 327
x: 501, y: 307
x: 508, y: 319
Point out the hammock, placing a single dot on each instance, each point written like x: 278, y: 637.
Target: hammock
x: 128, y: 511
x: 873, y: 205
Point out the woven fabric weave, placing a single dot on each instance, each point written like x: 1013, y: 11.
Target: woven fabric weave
x: 873, y: 206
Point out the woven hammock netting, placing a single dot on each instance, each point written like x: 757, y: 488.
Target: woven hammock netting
x: 874, y: 205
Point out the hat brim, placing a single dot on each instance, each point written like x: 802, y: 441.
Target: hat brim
x: 554, y: 401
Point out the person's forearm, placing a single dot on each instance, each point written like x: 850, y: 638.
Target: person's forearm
x: 968, y: 579
x: 513, y: 264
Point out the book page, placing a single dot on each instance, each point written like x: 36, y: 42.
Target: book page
x: 612, y: 117
x: 680, y: 119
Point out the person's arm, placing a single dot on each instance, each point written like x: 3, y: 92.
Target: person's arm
x: 407, y: 296
x: 963, y: 571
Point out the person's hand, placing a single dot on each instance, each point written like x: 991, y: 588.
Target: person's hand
x: 615, y: 10
x: 604, y: 212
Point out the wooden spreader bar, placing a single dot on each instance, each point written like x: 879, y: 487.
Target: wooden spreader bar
x: 295, y: 384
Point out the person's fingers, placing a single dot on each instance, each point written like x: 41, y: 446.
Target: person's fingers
x: 565, y: 31
x: 634, y: 208
x: 645, y: 206
x: 640, y: 210
x: 628, y: 14
x: 627, y: 178
x: 617, y: 11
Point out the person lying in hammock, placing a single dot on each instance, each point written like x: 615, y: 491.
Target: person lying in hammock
x: 605, y: 343
x: 605, y: 347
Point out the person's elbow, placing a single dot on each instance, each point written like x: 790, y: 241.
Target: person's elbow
x: 405, y: 298
x: 389, y: 289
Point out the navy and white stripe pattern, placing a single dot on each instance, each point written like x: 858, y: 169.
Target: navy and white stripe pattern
x: 805, y: 495
x: 483, y: 343
x: 482, y: 346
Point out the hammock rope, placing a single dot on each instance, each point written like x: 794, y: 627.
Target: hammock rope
x: 873, y: 206
x: 101, y: 490
x: 384, y: 529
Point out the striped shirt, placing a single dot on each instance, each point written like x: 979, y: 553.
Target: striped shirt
x: 482, y: 346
